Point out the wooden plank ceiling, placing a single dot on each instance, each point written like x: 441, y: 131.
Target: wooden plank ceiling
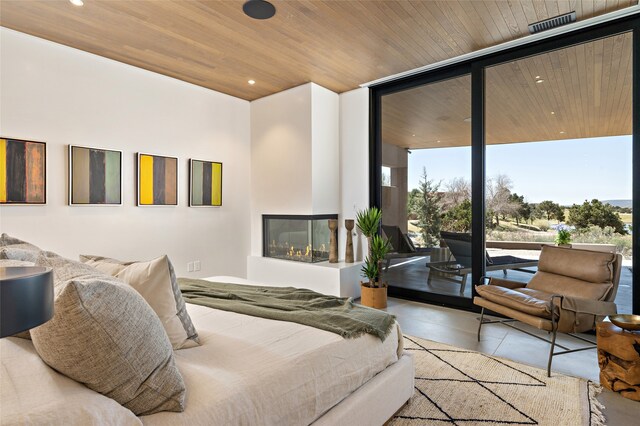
x: 337, y: 44
x: 585, y: 91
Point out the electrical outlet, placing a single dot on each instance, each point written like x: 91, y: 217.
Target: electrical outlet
x: 196, y: 265
x: 189, y: 266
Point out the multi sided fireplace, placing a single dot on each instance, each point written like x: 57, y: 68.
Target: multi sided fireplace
x: 299, y: 238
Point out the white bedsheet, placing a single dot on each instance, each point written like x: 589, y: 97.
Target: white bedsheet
x: 255, y: 371
x: 248, y: 371
x: 33, y: 393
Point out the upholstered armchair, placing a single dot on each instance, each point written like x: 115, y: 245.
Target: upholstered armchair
x: 572, y: 291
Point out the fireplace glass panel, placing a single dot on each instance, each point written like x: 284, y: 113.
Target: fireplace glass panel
x: 297, y: 238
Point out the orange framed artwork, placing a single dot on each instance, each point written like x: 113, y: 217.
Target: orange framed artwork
x: 23, y: 174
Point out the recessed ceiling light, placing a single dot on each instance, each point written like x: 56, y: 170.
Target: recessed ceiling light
x: 553, y: 113
x: 467, y: 120
x: 438, y: 141
x: 251, y: 82
x: 77, y: 2
x: 537, y: 77
x: 562, y: 132
x: 539, y: 81
x: 413, y: 134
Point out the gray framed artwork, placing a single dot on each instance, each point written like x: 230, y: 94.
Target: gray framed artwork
x: 95, y: 176
x: 205, y: 183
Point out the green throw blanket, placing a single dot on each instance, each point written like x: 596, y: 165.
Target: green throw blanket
x: 335, y: 314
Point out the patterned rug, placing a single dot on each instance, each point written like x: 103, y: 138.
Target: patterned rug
x: 461, y: 387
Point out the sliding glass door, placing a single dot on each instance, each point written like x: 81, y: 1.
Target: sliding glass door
x: 426, y: 186
x: 558, y: 156
x: 477, y: 165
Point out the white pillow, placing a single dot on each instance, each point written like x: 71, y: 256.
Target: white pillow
x: 156, y: 282
x: 105, y: 335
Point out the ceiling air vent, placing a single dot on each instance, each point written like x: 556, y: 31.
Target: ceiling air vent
x: 554, y: 22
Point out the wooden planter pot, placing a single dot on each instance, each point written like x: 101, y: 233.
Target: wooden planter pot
x: 373, y: 297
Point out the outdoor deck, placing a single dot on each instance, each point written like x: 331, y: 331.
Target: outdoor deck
x: 413, y: 273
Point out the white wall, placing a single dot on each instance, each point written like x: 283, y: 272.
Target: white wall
x: 325, y: 164
x: 354, y: 161
x: 294, y: 155
x: 62, y: 96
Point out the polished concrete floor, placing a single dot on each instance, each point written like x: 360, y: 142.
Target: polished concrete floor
x: 459, y: 328
x: 412, y: 273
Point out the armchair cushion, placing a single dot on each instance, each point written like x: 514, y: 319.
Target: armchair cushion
x: 567, y: 286
x: 591, y: 266
x: 532, y: 302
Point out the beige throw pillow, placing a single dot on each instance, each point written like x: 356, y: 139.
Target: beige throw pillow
x: 156, y: 281
x: 15, y: 249
x: 105, y: 335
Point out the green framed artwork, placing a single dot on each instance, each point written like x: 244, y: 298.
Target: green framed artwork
x: 157, y: 180
x: 205, y: 183
x: 95, y: 176
x: 23, y: 172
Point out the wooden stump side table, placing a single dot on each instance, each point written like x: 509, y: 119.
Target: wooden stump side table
x: 619, y: 359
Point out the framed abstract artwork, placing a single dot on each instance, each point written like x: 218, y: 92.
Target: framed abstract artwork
x: 95, y: 176
x: 157, y: 180
x: 205, y: 183
x: 23, y: 172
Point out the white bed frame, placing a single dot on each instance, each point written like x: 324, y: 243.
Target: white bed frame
x: 375, y: 402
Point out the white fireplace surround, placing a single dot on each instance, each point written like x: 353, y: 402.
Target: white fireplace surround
x: 337, y: 279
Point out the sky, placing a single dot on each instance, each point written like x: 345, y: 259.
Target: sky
x: 565, y: 171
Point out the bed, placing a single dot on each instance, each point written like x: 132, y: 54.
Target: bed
x: 247, y: 371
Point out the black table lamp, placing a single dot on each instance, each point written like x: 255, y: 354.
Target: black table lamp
x: 26, y: 298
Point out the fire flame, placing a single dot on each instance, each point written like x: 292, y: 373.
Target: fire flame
x: 291, y: 251
x: 308, y: 252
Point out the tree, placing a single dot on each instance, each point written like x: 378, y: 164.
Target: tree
x: 458, y: 218
x: 521, y: 209
x: 428, y: 209
x: 595, y: 213
x: 551, y: 210
x: 457, y: 191
x: 413, y: 203
x: 498, y: 197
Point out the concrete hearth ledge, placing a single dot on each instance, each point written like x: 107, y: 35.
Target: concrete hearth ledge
x: 338, y: 279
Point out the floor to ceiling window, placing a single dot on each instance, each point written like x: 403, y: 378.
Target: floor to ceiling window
x: 549, y: 155
x: 558, y: 155
x: 426, y: 145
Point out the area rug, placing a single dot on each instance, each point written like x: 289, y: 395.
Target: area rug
x: 461, y: 387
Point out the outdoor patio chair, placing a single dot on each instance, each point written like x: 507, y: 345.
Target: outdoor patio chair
x: 459, y: 264
x: 572, y: 291
x: 401, y: 245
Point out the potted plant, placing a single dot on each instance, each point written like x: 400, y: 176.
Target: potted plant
x: 374, y: 292
x: 563, y: 238
x: 368, y: 222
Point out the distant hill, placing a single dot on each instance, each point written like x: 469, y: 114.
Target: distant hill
x: 619, y: 203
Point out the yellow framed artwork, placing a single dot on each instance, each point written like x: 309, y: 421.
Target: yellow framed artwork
x: 157, y: 180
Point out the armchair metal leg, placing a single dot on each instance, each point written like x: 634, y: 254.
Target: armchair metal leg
x: 464, y: 283
x: 480, y: 324
x: 553, y: 344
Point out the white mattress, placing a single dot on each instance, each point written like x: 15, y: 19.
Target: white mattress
x: 251, y: 370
